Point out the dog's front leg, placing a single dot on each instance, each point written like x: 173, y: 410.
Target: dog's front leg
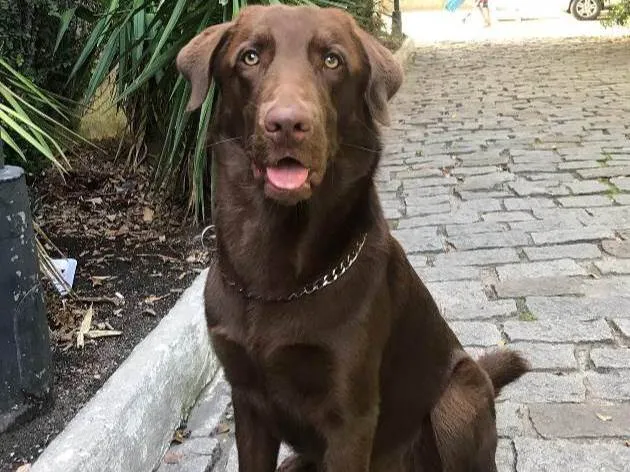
x: 349, y: 446
x: 257, y: 447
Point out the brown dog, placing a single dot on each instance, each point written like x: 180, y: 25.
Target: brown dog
x: 327, y: 336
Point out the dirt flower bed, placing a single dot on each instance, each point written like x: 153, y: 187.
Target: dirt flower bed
x: 135, y: 257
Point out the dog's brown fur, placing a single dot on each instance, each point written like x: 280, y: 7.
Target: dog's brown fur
x: 363, y: 375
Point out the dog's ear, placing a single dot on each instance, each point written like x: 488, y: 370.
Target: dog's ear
x: 386, y: 76
x: 194, y: 61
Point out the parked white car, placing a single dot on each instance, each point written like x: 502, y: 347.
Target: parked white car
x: 589, y: 9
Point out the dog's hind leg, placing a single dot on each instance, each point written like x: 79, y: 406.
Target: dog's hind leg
x: 464, y: 421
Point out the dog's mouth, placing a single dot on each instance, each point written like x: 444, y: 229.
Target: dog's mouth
x: 287, y: 174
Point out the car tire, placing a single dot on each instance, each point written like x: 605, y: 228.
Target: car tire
x: 586, y: 10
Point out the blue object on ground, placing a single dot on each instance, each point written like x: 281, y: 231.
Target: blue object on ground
x: 452, y: 5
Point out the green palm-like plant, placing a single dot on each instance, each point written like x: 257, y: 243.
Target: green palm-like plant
x: 137, y: 41
x: 33, y: 118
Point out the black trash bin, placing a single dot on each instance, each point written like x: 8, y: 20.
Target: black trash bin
x: 25, y: 375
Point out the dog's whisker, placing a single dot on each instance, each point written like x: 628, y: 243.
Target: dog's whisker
x: 226, y: 140
x: 362, y: 148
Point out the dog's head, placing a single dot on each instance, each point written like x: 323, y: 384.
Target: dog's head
x: 293, y: 81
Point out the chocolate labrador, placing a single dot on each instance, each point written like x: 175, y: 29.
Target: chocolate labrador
x: 328, y: 338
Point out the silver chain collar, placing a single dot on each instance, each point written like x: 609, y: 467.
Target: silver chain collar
x: 323, y: 281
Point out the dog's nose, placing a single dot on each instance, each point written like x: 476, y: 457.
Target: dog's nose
x: 288, y: 122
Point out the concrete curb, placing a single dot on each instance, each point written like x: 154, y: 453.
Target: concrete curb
x: 128, y: 424
x: 405, y: 53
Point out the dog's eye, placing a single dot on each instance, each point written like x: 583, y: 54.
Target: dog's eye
x: 332, y: 60
x: 250, y: 57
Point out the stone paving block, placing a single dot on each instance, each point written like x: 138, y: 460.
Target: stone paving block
x: 476, y: 333
x: 478, y: 227
x: 579, y: 308
x: 208, y: 410
x: 193, y: 455
x: 580, y: 420
x: 455, y: 292
x: 540, y: 455
x: 545, y: 286
x: 543, y: 387
x: 505, y: 456
x: 617, y: 217
x: 559, y: 213
x: 486, y: 181
x: 623, y: 325
x: 418, y: 210
x: 528, y: 203
x: 482, y: 161
x: 513, y: 420
x: 410, y: 190
x: 622, y: 198
x: 413, y: 200
x: 429, y: 182
x: 534, y: 156
x: 552, y: 179
x: 440, y: 219
x: 552, y: 331
x: 573, y: 165
x: 608, y: 171
x: 561, y: 222
x: 186, y: 463
x: 467, y: 310
x: 440, y: 274
x: 507, y: 216
x: 551, y: 268
x: 574, y: 251
x: 622, y: 183
x: 581, y: 187
x: 573, y: 235
x: 524, y: 188
x: 479, y: 205
x: 617, y: 248
x: 613, y: 266
x: 611, y: 358
x: 404, y: 173
x: 478, y: 257
x: 470, y: 195
x: 419, y: 239
x: 604, y: 286
x: 489, y: 240
x: 585, y: 201
x: 544, y: 356
x: 466, y: 171
x: 614, y: 385
x: 532, y: 167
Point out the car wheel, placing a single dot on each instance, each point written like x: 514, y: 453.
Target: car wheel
x: 586, y: 9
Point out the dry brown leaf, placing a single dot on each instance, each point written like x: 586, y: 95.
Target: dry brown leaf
x: 149, y: 311
x: 180, y: 435
x: 162, y: 238
x: 603, y: 417
x: 222, y: 428
x: 147, y: 215
x: 150, y: 300
x: 95, y: 201
x: 111, y: 217
x: 99, y: 279
x: 101, y: 333
x: 86, y: 324
x: 23, y: 468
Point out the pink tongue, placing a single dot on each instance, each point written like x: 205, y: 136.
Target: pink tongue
x: 287, y: 176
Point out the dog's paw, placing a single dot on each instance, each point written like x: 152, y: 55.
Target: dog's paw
x: 296, y: 463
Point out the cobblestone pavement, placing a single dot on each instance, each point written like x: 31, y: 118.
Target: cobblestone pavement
x: 506, y: 178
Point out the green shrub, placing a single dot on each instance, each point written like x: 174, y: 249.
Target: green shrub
x: 619, y: 14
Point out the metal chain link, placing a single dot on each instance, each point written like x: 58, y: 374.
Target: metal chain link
x: 318, y: 284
